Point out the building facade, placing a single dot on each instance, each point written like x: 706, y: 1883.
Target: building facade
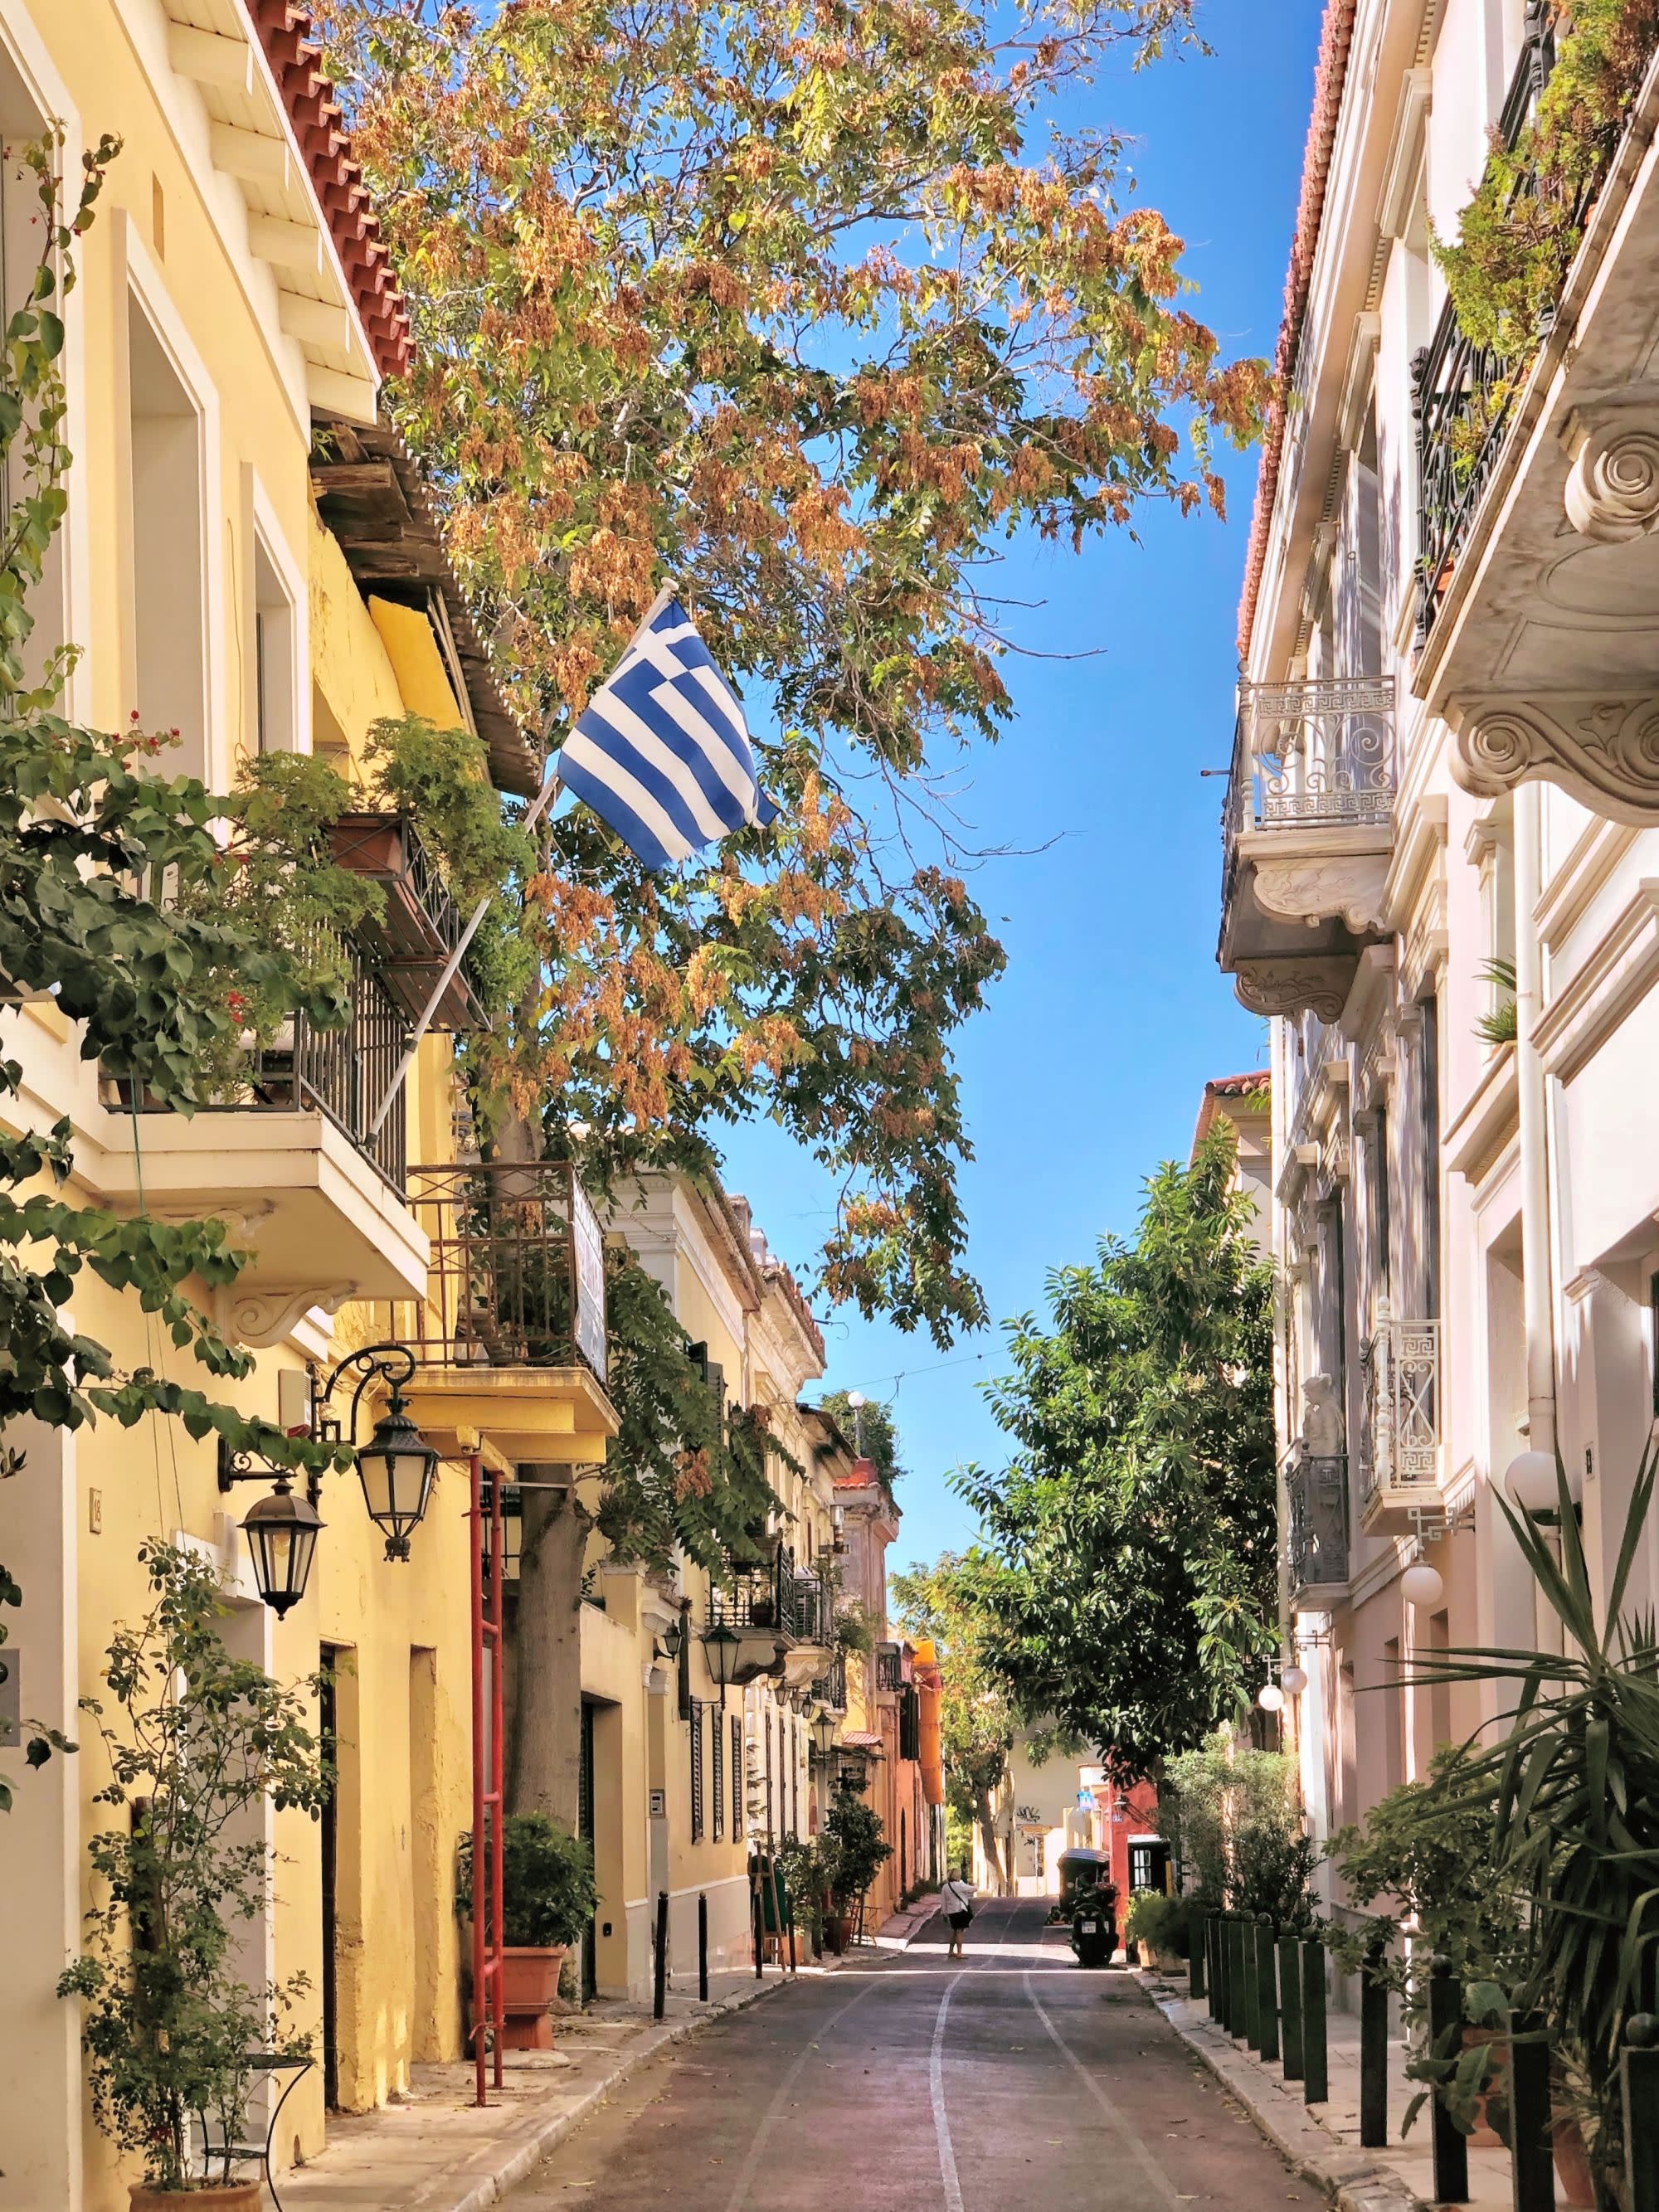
x: 1438, y: 852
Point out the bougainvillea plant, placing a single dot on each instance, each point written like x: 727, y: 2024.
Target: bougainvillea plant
x: 809, y: 310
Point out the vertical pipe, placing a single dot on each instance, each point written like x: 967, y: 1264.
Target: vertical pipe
x: 1532, y: 2161
x: 1373, y: 2059
x: 1289, y: 2001
x: 1266, y: 1994
x: 1532, y: 1128
x: 1449, y: 2144
x: 702, y: 1947
x: 660, y: 1983
x: 475, y: 1587
x: 497, y: 1769
x: 1316, y: 2053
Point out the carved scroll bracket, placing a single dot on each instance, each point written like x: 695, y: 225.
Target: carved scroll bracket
x: 1602, y: 748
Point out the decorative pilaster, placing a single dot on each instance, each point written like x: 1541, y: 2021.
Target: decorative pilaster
x: 1602, y: 748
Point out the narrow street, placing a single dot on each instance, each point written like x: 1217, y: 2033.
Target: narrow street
x: 909, y: 2084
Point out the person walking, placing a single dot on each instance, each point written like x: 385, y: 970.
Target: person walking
x: 956, y: 1895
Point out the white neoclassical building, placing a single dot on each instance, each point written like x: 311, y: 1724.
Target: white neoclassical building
x: 1441, y: 871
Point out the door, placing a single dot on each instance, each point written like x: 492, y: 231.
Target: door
x: 327, y: 1729
x: 589, y: 1965
x: 1149, y: 1860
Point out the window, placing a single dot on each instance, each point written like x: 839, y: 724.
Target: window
x: 275, y: 727
x: 717, y: 1778
x: 737, y: 1778
x: 167, y: 606
x: 694, y: 1737
x: 1429, y: 1088
x: 1377, y: 1203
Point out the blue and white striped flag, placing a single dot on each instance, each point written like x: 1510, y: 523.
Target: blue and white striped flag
x: 661, y: 753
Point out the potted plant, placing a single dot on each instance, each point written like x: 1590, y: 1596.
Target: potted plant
x: 547, y: 1897
x: 854, y: 1850
x: 196, y: 1742
x: 1158, y: 1926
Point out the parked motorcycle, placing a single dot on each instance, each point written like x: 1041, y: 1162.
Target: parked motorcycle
x: 1094, y: 1927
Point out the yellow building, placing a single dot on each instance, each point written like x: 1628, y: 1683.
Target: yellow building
x: 229, y: 573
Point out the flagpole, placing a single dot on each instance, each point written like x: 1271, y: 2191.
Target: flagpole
x: 549, y: 791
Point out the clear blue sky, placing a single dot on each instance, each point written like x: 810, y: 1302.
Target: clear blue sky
x: 1090, y: 1064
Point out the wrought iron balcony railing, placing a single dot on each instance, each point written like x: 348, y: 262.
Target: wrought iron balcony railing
x: 815, y: 1610
x: 889, y: 1667
x: 1313, y: 755
x: 767, y: 1597
x: 1464, y: 395
x: 1399, y: 1371
x: 343, y: 1073
x: 419, y: 926
x: 1316, y: 1541
x: 517, y: 1275
x: 830, y: 1687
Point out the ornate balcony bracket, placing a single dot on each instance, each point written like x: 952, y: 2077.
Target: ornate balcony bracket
x: 260, y: 1314
x: 1602, y: 748
x: 1318, y: 986
x: 1612, y: 485
x: 1350, y: 885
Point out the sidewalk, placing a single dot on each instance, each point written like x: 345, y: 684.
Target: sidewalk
x: 900, y: 1929
x: 1322, y: 2141
x: 435, y: 2151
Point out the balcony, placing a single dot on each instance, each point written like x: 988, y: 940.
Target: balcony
x: 1306, y: 835
x: 1538, y: 486
x: 830, y: 1686
x: 1401, y: 1391
x: 286, y: 1158
x: 420, y: 926
x: 759, y: 1606
x: 1316, y: 1538
x: 891, y: 1671
x: 510, y: 1340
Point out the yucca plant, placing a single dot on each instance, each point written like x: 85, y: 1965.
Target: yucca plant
x: 1575, y: 1774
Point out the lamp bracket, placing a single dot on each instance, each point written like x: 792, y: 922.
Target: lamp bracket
x: 236, y: 1467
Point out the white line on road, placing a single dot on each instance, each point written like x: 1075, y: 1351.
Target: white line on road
x: 1148, y: 2165
x: 746, y: 2172
x: 947, y: 2157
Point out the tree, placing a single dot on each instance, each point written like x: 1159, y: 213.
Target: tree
x: 809, y: 311
x: 1133, y: 1531
x: 684, y: 1476
x: 162, y: 990
x: 871, y: 1428
x: 951, y: 1601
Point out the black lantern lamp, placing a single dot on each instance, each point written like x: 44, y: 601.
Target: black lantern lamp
x: 823, y: 1733
x: 282, y: 1532
x: 396, y: 1467
x: 512, y: 1527
x: 720, y: 1647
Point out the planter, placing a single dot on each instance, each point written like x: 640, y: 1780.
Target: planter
x: 530, y: 1983
x: 1572, y: 2164
x: 233, y: 2197
x: 1491, y: 2106
x: 840, y: 1931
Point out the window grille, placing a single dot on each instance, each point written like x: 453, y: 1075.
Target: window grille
x: 695, y: 1717
x: 737, y: 1775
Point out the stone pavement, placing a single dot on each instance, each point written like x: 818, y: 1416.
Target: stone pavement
x: 1322, y: 2141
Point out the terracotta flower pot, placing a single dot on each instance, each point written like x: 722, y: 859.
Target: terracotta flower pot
x: 1493, y: 2104
x: 1572, y: 2165
x: 530, y: 1983
x: 236, y: 2196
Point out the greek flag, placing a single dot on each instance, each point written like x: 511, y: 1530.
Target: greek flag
x: 661, y: 753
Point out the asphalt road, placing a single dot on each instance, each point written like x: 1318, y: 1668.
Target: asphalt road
x: 917, y: 2083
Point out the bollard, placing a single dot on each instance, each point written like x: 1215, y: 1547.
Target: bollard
x: 1532, y: 2159
x: 1373, y: 2059
x: 1316, y: 2053
x: 760, y: 1926
x: 1196, y: 1961
x: 1290, y: 2005
x: 1267, y: 1997
x: 1213, y: 1944
x: 1638, y: 2081
x: 1449, y: 2144
x: 1239, y: 2013
x: 1221, y: 1982
x: 702, y: 1948
x: 1252, y: 2024
x: 659, y: 2001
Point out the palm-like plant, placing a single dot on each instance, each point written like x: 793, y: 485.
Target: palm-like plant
x: 1577, y: 1784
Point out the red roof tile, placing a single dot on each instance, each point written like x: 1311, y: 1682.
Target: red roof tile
x: 1330, y: 74
x: 285, y: 31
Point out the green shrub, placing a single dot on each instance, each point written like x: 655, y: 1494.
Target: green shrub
x: 1162, y: 1922
x: 547, y: 1893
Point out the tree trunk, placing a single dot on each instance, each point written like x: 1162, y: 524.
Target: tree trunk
x: 988, y: 1837
x: 544, y: 1749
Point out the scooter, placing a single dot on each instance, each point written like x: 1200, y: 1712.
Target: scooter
x: 1094, y: 1927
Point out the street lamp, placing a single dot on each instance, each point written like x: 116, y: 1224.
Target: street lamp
x: 823, y: 1733
x: 720, y: 1647
x: 1293, y: 1680
x: 396, y: 1467
x: 1530, y: 1480
x: 1270, y: 1698
x: 282, y: 1532
x: 1421, y: 1584
x: 512, y: 1527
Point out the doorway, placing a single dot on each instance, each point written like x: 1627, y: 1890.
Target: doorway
x: 1149, y: 1863
x: 328, y: 1831
x: 584, y: 1829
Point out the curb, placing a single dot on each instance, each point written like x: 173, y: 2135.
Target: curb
x: 1350, y: 2182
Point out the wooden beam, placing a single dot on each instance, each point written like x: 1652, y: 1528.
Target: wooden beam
x: 315, y: 322
x: 286, y: 245
x: 249, y: 157
x: 356, y: 480
x: 206, y: 58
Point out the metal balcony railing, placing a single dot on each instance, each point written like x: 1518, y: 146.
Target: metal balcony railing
x: 517, y: 1275
x: 1316, y: 1541
x: 815, y: 1610
x: 419, y: 925
x: 343, y: 1073
x: 764, y: 1597
x: 889, y: 1667
x: 1400, y: 1378
x: 1464, y: 395
x: 830, y: 1687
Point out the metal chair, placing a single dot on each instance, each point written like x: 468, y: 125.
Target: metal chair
x: 257, y: 2153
